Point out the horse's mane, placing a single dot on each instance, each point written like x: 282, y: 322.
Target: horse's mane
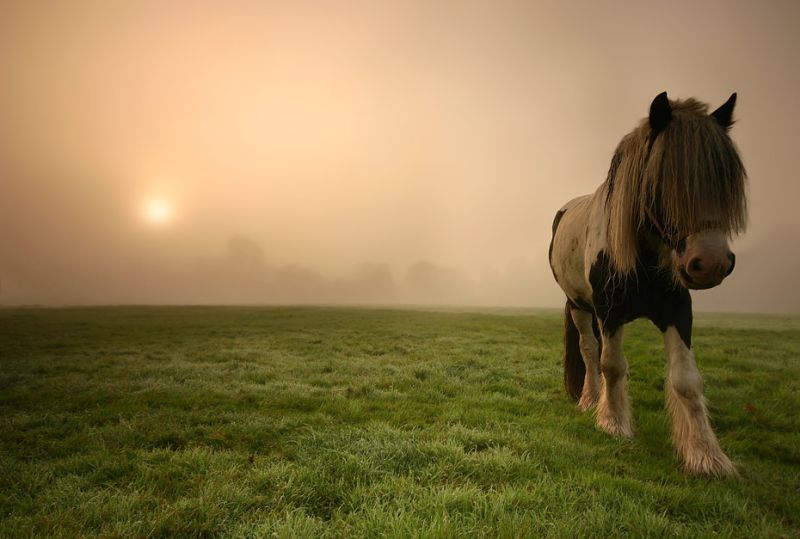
x: 689, y: 175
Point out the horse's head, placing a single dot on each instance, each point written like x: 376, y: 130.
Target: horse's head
x: 701, y: 258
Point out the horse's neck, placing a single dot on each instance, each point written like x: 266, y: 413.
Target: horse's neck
x: 649, y: 246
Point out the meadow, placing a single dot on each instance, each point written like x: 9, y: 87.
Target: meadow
x: 349, y: 422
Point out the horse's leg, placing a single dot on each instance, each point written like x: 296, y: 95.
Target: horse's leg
x: 613, y: 409
x: 692, y: 436
x: 591, y: 358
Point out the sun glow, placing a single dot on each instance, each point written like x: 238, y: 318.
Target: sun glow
x: 158, y: 211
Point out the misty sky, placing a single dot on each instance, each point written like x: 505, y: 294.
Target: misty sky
x: 375, y: 152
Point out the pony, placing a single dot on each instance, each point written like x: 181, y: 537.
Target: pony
x: 656, y: 228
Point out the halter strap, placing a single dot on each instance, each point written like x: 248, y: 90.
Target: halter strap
x: 663, y: 233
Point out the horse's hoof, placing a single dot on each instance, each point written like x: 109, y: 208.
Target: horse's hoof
x: 587, y: 402
x: 717, y: 465
x: 614, y: 428
x: 584, y: 405
x: 616, y: 423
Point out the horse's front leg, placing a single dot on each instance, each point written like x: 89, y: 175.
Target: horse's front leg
x: 613, y: 409
x: 692, y: 436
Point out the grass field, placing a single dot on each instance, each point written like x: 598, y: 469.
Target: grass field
x: 312, y: 422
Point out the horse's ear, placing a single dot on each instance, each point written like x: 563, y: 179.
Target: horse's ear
x: 660, y: 113
x: 724, y: 114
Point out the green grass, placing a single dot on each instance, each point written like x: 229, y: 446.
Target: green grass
x: 311, y: 422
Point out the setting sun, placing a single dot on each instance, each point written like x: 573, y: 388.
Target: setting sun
x: 158, y: 211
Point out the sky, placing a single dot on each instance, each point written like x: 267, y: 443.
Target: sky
x: 362, y: 152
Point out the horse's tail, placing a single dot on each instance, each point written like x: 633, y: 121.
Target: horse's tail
x: 574, y: 368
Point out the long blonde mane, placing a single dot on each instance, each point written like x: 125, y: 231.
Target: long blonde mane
x: 690, y: 175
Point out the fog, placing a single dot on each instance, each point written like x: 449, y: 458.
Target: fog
x: 362, y: 153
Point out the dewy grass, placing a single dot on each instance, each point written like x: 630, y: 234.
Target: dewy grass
x: 321, y: 422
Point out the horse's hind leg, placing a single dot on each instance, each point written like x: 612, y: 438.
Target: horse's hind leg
x: 613, y: 408
x: 692, y: 436
x: 590, y: 351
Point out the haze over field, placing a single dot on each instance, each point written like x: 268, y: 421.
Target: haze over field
x: 405, y: 152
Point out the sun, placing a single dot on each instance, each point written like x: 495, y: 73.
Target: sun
x: 158, y: 211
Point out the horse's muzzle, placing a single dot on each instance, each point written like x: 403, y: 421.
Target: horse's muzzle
x: 703, y: 272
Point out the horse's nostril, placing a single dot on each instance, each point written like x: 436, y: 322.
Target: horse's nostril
x: 695, y: 266
x: 732, y: 258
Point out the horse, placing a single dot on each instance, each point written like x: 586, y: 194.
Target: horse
x: 657, y: 227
